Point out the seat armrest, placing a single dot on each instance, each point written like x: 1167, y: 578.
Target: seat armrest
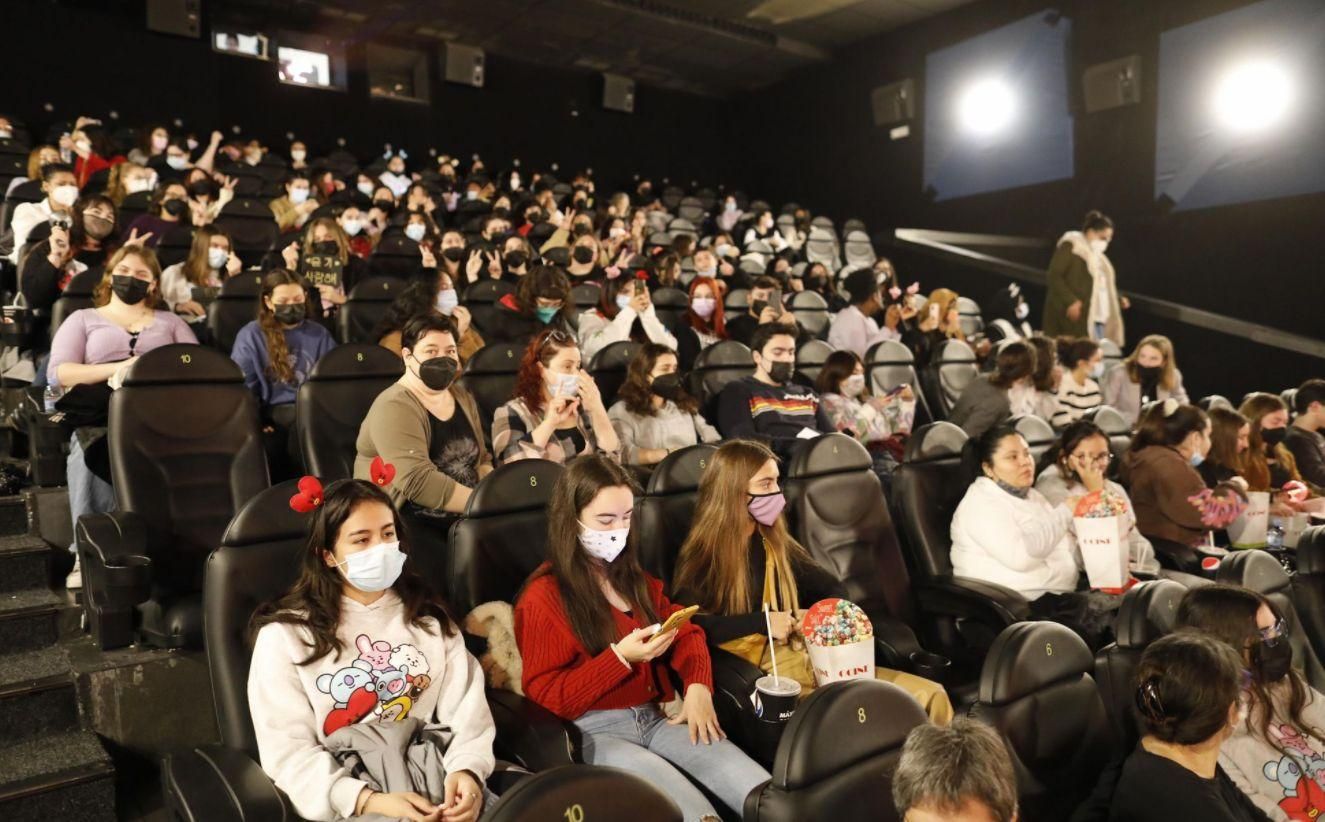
x: 219, y: 784
x: 733, y: 683
x: 987, y: 602
x: 529, y: 734
x: 894, y: 642
x: 115, y: 548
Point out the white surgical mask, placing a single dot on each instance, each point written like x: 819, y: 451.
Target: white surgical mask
x: 298, y: 196
x: 622, y: 302
x: 1098, y: 246
x: 416, y: 231
x: 471, y: 194
x: 723, y: 250
x: 374, y: 569
x: 65, y: 195
x: 5, y: 134
x: 853, y: 386
x: 706, y: 272
x: 1097, y: 371
x: 298, y: 155
x: 604, y: 545
x: 177, y: 162
x: 515, y: 182
x: 366, y: 189
x: 352, y: 227
x: 138, y: 184
x: 1023, y: 311
x: 704, y: 306
x: 216, y: 257
x: 616, y: 231
x: 447, y: 300
x: 563, y: 385
x: 83, y: 146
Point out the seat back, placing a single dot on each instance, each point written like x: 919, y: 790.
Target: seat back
x: 889, y: 364
x: 838, y: 754
x: 810, y: 310
x: 608, y: 367
x: 1215, y: 401
x: 585, y: 296
x: 1262, y: 573
x: 718, y: 365
x: 810, y: 358
x: 185, y: 453
x: 502, y: 537
x: 954, y: 366
x: 1309, y: 585
x: 396, y: 256
x: 670, y: 304
x: 663, y: 515
x: 928, y: 486
x: 736, y: 302
x: 1110, y: 351
x: 235, y: 306
x: 490, y: 375
x: 174, y: 245
x: 969, y: 316
x: 333, y: 401
x: 1036, y: 690
x: 1039, y: 435
x: 1115, y: 427
x: 481, y: 300
x: 1147, y: 613
x: 367, y: 304
x: 257, y: 561
x: 584, y: 792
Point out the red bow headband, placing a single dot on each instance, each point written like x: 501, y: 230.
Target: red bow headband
x: 310, y: 494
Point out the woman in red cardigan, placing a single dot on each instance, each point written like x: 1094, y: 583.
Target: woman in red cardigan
x: 585, y: 624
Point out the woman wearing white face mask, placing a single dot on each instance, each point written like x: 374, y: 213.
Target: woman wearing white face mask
x: 1079, y: 390
x: 352, y: 222
x: 882, y: 424
x: 1083, y: 296
x: 624, y: 312
x: 585, y: 624
x: 361, y: 639
x: 189, y: 286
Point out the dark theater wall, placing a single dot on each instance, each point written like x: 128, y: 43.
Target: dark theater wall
x: 812, y: 139
x: 92, y: 58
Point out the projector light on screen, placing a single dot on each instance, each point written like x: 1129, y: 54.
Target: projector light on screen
x: 986, y: 108
x: 1253, y: 97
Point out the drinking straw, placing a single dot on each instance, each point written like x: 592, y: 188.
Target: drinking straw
x: 772, y: 649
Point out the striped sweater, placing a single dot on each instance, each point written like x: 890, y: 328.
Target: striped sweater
x: 774, y: 414
x: 1075, y: 399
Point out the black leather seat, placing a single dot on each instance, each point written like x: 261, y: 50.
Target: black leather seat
x: 1039, y: 435
x: 1309, y: 585
x: 185, y: 454
x: 584, y: 792
x: 889, y: 364
x: 952, y: 366
x: 395, y: 257
x: 1215, y: 401
x: 235, y: 306
x: 252, y: 226
x: 811, y: 311
x: 481, y: 300
x: 174, y: 246
x: 490, y: 376
x: 1262, y: 573
x: 367, y: 304
x: 963, y: 615
x: 663, y: 515
x: 1115, y: 426
x: 585, y: 296
x: 333, y: 402
x: 608, y: 368
x: 1146, y: 613
x: 838, y: 755
x: 810, y: 358
x: 1036, y: 689
x: 670, y: 304
x: 716, y: 366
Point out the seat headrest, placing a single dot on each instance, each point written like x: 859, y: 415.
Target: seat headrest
x: 357, y: 361
x: 814, y: 352
x: 495, y: 358
x: 1311, y: 551
x: 615, y: 355
x: 379, y: 289
x: 808, y: 301
x: 827, y: 732
x: 267, y: 517
x: 488, y: 290
x: 724, y: 353
x: 522, y: 485
x: 1030, y: 656
x: 953, y: 351
x: 890, y: 352
x: 1147, y: 612
x: 1255, y: 570
x: 1110, y: 420
x: 1034, y: 429
x: 936, y: 441
x: 829, y: 454
x: 680, y: 471
x: 670, y: 298
x: 183, y: 364
x: 242, y: 287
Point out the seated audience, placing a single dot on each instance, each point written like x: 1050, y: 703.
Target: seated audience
x: 591, y: 656
x: 764, y: 227
x: 704, y: 317
x: 624, y: 312
x: 1304, y: 440
x: 61, y: 190
x: 1048, y: 374
x: 1009, y: 391
x: 1149, y: 374
x: 46, y: 271
x: 1078, y: 391
x: 1230, y: 437
x: 766, y: 308
x: 882, y: 424
x: 1284, y: 716
x: 168, y: 210
x: 294, y: 208
x: 189, y: 286
x: 1006, y: 532
x: 557, y: 412
x: 324, y: 238
x: 541, y: 301
x: 961, y: 773
x: 426, y: 424
x: 329, y: 654
x: 854, y: 328
x: 277, y: 352
x: 936, y: 319
x: 423, y: 297
x: 654, y: 415
x: 1268, y: 465
x: 1189, y: 699
x: 38, y: 157
x: 739, y: 559
x: 767, y: 405
x: 1083, y: 442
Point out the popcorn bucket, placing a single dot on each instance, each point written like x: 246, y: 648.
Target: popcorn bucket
x: 1293, y: 528
x: 835, y: 663
x: 1248, y: 530
x: 840, y: 641
x: 1104, y: 550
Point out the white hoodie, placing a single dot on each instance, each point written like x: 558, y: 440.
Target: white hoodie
x: 388, y: 670
x: 1023, y: 544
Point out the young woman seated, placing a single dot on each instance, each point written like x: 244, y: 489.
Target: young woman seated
x: 585, y: 627
x: 423, y: 297
x: 541, y: 301
x: 740, y: 559
x: 882, y: 424
x: 655, y: 415
x: 1078, y: 391
x: 1269, y: 465
x: 624, y: 312
x: 1149, y: 374
x: 991, y: 399
x: 1230, y: 439
x: 189, y: 286
x: 360, y: 642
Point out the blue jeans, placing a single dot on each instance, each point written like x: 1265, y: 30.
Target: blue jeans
x: 88, y: 493
x: 1097, y: 331
x: 640, y: 740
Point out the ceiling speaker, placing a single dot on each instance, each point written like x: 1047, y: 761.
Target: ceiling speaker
x: 1112, y: 84
x: 179, y: 17
x: 464, y: 65
x: 894, y: 103
x: 618, y: 93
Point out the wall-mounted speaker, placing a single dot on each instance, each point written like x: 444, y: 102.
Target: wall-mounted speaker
x: 179, y: 17
x: 894, y: 103
x: 465, y: 65
x: 1112, y: 84
x: 618, y: 93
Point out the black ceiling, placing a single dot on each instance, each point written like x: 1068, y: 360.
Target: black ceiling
x: 712, y: 47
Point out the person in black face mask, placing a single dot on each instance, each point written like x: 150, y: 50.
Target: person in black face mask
x: 168, y: 211
x: 1268, y: 465
x: 1279, y: 746
x: 1149, y: 374
x: 426, y: 425
x: 654, y: 415
x: 276, y: 352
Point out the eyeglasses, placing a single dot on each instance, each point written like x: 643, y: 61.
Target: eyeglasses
x: 1098, y: 459
x: 1271, y: 636
x: 556, y: 335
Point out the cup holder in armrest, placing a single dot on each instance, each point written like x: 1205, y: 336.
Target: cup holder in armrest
x: 933, y: 667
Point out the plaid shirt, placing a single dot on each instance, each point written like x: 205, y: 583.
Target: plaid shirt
x: 512, y: 437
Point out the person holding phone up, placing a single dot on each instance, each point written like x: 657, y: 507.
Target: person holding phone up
x: 588, y: 624
x: 557, y: 412
x: 765, y: 308
x: 624, y: 312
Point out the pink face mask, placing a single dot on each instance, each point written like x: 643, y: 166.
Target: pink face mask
x: 766, y: 508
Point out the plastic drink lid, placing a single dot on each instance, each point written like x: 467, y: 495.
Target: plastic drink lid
x: 1210, y: 563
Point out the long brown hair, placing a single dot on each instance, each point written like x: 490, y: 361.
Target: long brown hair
x: 577, y: 574
x: 1228, y: 613
x: 101, y: 294
x: 197, y: 269
x: 715, y: 559
x: 314, y: 601
x: 529, y: 382
x: 1224, y: 427
x: 338, y: 236
x: 1168, y: 377
x: 635, y: 391
x: 278, y: 352
x: 1256, y: 465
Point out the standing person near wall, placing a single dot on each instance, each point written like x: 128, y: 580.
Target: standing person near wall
x: 1083, y: 296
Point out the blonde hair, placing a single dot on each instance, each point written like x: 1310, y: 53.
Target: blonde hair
x: 337, y: 234
x: 946, y: 299
x: 101, y: 294
x: 1168, y: 377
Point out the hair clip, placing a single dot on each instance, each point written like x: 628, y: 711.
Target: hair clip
x: 381, y: 472
x: 1148, y: 701
x: 308, y: 497
x: 1296, y: 490
x: 1170, y: 407
x: 641, y: 274
x: 913, y: 288
x: 612, y: 272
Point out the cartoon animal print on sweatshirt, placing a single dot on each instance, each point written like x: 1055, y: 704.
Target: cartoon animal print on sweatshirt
x: 381, y: 684
x: 1300, y: 773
